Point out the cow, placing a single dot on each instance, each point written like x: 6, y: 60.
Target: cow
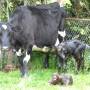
x: 74, y: 48
x: 29, y: 26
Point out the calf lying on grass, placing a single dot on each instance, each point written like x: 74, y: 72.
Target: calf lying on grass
x: 74, y: 48
x: 62, y: 79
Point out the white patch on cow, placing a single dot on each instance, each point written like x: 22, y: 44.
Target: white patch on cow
x: 5, y: 47
x: 19, y: 53
x: 26, y: 58
x: 4, y: 26
x: 13, y: 50
x: 45, y: 49
x: 62, y: 33
x: 61, y: 5
x: 57, y: 42
x: 34, y: 46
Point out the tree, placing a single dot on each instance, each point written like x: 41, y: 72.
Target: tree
x: 79, y: 8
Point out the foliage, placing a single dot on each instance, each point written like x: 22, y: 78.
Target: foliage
x: 78, y: 29
x: 78, y: 8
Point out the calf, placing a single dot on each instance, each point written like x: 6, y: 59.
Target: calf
x: 62, y: 79
x: 74, y: 48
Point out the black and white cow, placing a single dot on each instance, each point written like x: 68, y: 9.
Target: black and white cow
x: 29, y: 26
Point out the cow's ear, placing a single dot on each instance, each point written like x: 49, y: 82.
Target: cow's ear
x: 4, y: 26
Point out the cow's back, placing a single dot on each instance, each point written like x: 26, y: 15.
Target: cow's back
x: 47, y: 25
x: 33, y: 25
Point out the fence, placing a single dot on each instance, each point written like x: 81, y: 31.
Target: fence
x: 78, y: 29
x: 75, y: 28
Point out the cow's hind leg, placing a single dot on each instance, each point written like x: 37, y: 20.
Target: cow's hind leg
x: 61, y: 64
x: 46, y: 61
x: 20, y: 58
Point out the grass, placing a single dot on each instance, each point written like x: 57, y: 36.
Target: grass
x: 38, y: 80
x: 39, y: 77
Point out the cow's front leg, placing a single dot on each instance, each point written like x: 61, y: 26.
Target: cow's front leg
x: 26, y: 60
x: 20, y: 56
x: 23, y: 60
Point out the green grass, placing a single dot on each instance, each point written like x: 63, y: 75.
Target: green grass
x: 39, y: 77
x: 38, y: 80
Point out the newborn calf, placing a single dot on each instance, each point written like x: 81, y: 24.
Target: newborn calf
x: 74, y: 48
x: 62, y: 79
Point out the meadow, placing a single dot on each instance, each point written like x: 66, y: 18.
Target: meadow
x: 38, y: 80
x: 38, y: 76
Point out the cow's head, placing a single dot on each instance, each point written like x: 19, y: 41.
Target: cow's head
x: 4, y: 36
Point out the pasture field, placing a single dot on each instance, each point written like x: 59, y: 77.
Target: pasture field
x: 38, y: 80
x: 39, y: 77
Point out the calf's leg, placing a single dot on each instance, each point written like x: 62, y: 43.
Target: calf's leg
x: 79, y: 56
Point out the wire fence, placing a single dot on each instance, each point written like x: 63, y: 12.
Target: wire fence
x: 78, y: 29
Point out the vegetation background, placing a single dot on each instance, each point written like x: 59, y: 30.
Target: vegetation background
x: 76, y: 8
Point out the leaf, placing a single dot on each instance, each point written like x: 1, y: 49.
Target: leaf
x: 82, y: 32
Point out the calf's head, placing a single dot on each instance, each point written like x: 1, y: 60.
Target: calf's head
x: 62, y: 50
x: 56, y: 79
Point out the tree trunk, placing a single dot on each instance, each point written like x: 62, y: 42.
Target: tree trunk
x: 76, y: 5
x: 7, y: 9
